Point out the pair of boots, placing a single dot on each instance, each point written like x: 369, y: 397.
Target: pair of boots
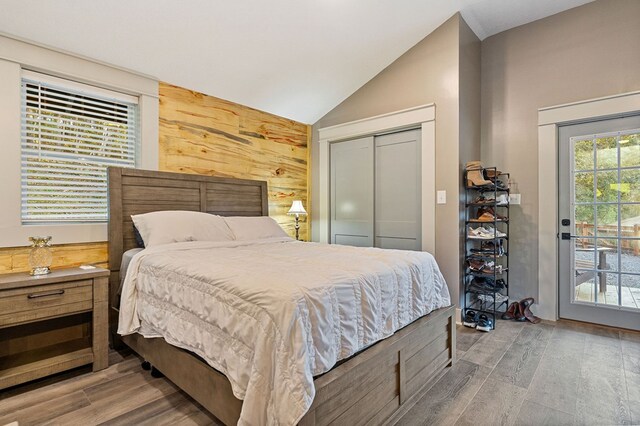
x: 475, y: 176
x: 520, y: 311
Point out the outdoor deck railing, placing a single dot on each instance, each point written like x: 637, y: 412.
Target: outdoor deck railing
x: 610, y: 231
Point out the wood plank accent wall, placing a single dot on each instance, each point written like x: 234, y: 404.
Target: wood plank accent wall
x: 210, y: 136
x: 16, y: 259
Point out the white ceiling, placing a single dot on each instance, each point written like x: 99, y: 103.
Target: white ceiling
x: 294, y: 58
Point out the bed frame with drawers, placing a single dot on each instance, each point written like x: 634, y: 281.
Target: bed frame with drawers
x: 376, y: 386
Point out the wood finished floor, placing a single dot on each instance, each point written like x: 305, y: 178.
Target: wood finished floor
x: 520, y: 374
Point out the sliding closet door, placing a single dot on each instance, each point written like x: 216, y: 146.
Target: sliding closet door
x: 397, y: 191
x: 352, y: 192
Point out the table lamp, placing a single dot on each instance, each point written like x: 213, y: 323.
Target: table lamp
x: 297, y: 209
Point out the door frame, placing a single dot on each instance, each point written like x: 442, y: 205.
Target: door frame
x: 422, y: 116
x: 549, y: 119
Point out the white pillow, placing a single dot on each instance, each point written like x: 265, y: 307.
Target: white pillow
x: 254, y: 227
x: 172, y: 226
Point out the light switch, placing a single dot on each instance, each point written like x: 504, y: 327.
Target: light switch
x: 442, y: 197
x: 514, y: 198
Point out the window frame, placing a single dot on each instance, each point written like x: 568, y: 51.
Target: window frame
x: 87, y: 90
x: 18, y: 56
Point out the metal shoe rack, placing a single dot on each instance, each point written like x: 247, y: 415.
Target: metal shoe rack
x: 473, y: 295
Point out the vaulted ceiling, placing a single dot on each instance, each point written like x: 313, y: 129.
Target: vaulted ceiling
x: 294, y: 58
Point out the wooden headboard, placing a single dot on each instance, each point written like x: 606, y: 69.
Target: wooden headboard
x: 133, y: 191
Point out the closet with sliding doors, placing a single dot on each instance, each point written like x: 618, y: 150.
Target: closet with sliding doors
x: 375, y: 191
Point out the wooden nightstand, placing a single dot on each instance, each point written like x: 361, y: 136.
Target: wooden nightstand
x: 52, y: 323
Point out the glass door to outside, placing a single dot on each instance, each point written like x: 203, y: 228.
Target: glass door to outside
x: 599, y: 214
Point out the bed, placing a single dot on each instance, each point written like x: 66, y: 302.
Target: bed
x: 374, y: 385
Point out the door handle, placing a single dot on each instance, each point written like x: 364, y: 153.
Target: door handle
x: 568, y: 236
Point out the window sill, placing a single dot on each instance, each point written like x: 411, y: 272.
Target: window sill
x: 16, y: 236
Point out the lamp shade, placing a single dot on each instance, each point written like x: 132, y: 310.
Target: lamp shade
x: 297, y: 208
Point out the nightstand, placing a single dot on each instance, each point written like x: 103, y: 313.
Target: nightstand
x: 52, y: 323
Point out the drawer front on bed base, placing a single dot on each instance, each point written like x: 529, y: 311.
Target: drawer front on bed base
x: 379, y: 385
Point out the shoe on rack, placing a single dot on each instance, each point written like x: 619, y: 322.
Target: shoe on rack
x: 493, y: 247
x: 478, y: 254
x: 489, y: 230
x: 483, y: 284
x: 502, y: 200
x: 480, y: 233
x: 484, y: 266
x: 477, y: 233
x: 488, y: 298
x: 490, y: 268
x: 484, y: 323
x: 476, y: 265
x: 495, y: 233
x: 479, y: 284
x: 492, y: 173
x: 497, y: 269
x: 475, y: 176
x: 470, y: 319
x: 489, y: 199
x: 500, y: 185
x: 480, y: 199
x: 489, y: 249
x: 489, y: 212
x: 485, y: 217
x: 485, y: 233
x: 487, y: 284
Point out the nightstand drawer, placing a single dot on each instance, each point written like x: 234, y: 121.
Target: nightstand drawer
x: 45, y: 301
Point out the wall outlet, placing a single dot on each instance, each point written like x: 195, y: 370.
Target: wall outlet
x: 514, y: 198
x: 442, y: 197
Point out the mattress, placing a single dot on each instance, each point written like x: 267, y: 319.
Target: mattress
x: 272, y: 314
x: 124, y: 265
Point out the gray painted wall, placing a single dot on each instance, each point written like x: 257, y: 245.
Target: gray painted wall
x: 586, y: 52
x: 427, y: 73
x: 469, y: 101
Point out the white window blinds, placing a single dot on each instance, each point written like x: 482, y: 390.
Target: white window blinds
x: 71, y: 133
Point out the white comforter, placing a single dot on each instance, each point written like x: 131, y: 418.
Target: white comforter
x: 272, y: 314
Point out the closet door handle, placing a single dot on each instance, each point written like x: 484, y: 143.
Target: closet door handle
x: 51, y: 293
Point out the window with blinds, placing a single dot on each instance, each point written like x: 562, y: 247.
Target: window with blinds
x: 71, y: 133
